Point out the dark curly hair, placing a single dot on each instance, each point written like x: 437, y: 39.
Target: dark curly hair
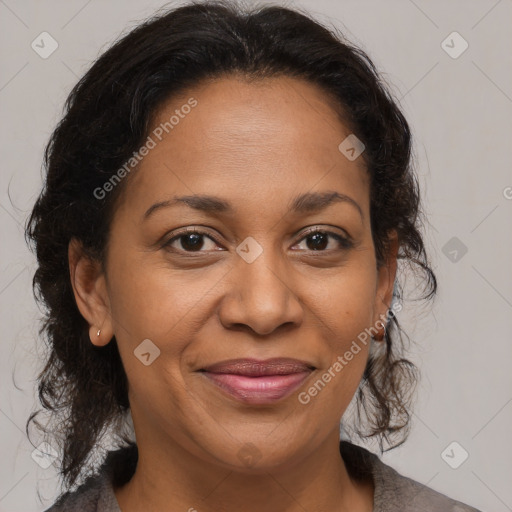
x: 107, y: 116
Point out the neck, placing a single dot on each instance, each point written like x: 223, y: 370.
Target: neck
x: 171, y: 478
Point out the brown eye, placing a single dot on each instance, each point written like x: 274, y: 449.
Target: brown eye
x: 319, y: 241
x: 190, y: 241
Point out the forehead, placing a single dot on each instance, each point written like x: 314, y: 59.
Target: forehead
x: 256, y: 140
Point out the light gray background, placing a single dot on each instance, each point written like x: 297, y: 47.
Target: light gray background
x: 461, y: 114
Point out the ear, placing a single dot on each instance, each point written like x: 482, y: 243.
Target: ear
x: 90, y: 290
x: 386, y: 274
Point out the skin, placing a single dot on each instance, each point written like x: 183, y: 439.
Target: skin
x: 256, y: 145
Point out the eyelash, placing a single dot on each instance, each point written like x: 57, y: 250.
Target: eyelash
x: 345, y: 242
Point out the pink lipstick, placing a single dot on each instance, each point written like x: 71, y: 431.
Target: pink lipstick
x: 259, y: 382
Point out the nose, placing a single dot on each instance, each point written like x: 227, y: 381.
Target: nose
x: 260, y: 296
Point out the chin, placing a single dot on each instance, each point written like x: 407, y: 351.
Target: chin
x: 253, y: 457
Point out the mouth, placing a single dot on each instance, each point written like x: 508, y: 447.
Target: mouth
x: 258, y: 382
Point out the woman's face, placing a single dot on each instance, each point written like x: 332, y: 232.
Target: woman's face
x: 262, y: 163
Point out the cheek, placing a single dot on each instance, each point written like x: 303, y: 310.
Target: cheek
x: 344, y: 302
x: 346, y: 348
x: 344, y: 305
x: 168, y: 307
x: 151, y: 300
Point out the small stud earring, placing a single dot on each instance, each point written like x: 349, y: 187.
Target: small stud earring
x: 98, y: 333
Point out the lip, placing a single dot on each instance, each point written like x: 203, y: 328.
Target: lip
x: 258, y: 382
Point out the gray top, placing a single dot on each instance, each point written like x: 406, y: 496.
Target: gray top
x: 393, y: 492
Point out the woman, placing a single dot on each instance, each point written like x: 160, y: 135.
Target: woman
x: 227, y: 199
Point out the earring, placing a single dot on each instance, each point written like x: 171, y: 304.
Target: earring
x: 381, y: 336
x: 98, y: 333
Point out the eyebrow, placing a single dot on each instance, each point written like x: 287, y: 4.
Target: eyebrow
x: 310, y: 202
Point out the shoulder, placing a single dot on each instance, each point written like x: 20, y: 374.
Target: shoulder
x: 96, y: 494
x: 410, y: 495
x: 85, y: 498
x: 393, y: 491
